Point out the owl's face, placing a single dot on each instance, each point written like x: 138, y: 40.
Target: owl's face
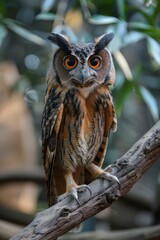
x: 83, y: 65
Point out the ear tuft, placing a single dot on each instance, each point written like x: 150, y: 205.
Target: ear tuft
x: 61, y: 40
x: 103, y: 41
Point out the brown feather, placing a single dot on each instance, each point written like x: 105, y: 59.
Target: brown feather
x: 78, y: 116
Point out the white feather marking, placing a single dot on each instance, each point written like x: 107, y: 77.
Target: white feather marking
x: 86, y: 91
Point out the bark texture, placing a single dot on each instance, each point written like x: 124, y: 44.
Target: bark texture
x: 62, y: 217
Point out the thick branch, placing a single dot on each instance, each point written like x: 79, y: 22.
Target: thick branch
x: 59, y: 219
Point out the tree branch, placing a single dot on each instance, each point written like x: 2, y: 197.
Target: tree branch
x: 36, y: 175
x: 14, y: 216
x: 60, y: 218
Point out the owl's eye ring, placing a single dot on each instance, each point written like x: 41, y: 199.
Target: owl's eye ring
x: 70, y: 62
x: 95, y: 61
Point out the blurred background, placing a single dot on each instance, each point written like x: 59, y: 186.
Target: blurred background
x: 25, y: 54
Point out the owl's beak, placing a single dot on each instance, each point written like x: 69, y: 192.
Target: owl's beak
x: 83, y: 78
x: 84, y: 75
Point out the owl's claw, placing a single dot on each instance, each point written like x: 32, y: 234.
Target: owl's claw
x: 110, y: 177
x: 74, y: 191
x: 109, y: 168
x: 75, y: 195
x: 83, y: 187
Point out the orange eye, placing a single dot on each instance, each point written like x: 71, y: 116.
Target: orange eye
x: 70, y: 62
x: 94, y: 61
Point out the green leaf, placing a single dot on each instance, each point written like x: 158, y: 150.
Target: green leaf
x: 122, y: 37
x: 123, y: 64
x: 154, y: 49
x: 47, y: 5
x: 121, y: 8
x: 22, y: 32
x: 102, y: 20
x: 132, y: 37
x: 122, y: 93
x: 45, y: 16
x: 1, y: 17
x: 150, y: 101
x: 120, y: 28
x: 145, y: 28
x: 3, y: 33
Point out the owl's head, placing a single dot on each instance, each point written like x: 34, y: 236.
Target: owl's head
x: 82, y: 65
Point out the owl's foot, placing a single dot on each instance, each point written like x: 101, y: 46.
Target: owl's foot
x: 74, y: 191
x: 110, y: 177
x: 110, y: 168
x: 73, y: 188
x: 74, y: 194
x: 97, y: 172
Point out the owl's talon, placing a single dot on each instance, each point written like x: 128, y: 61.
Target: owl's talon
x: 110, y: 177
x: 89, y: 190
x: 75, y: 195
x: 116, y: 165
x: 109, y: 168
x: 85, y: 102
x: 80, y: 188
x: 83, y: 187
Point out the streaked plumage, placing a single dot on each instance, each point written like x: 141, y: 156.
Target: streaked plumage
x: 78, y: 114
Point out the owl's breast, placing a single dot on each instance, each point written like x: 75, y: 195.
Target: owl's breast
x: 92, y: 130
x: 81, y: 132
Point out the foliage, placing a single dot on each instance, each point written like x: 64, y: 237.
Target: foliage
x: 131, y: 21
x: 25, y: 25
x: 130, y: 28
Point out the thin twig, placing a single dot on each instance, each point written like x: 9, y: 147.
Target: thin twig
x: 36, y: 175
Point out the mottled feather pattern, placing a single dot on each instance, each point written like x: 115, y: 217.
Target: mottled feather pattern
x: 78, y: 116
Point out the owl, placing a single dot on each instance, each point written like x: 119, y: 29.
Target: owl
x: 78, y: 115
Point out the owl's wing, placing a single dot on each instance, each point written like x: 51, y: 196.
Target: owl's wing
x: 110, y: 124
x: 51, y: 121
